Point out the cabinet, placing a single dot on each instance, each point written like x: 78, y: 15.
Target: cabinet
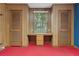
x: 39, y: 40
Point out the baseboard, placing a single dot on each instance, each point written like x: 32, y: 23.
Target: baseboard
x: 76, y: 47
x: 1, y: 48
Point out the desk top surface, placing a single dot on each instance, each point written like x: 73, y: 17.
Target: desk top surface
x: 40, y: 34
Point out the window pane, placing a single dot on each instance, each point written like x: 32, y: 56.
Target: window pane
x: 40, y: 22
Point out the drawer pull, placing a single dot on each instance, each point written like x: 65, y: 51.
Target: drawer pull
x: 1, y: 14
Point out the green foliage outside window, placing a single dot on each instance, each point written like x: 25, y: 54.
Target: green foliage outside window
x: 40, y: 22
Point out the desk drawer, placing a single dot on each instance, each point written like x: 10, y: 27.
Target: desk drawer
x: 39, y: 40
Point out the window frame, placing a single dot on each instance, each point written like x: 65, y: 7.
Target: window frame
x: 42, y: 10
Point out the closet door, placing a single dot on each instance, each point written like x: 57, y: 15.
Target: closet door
x: 64, y: 28
x: 15, y: 28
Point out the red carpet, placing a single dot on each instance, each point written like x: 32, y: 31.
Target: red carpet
x: 33, y: 50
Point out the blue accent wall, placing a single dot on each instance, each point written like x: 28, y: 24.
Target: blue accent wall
x: 76, y: 24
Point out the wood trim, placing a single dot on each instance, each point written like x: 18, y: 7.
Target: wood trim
x: 72, y: 26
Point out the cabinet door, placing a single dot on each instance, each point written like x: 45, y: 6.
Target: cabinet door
x: 64, y: 28
x: 15, y: 28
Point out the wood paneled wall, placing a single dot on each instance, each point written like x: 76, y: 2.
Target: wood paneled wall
x: 5, y: 22
x: 5, y: 17
x: 55, y: 19
x: 2, y: 10
x: 4, y: 25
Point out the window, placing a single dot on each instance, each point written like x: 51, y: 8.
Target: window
x: 39, y: 21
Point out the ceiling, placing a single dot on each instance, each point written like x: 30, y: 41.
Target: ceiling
x: 40, y: 5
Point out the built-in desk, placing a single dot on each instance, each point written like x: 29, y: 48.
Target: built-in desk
x: 40, y: 38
